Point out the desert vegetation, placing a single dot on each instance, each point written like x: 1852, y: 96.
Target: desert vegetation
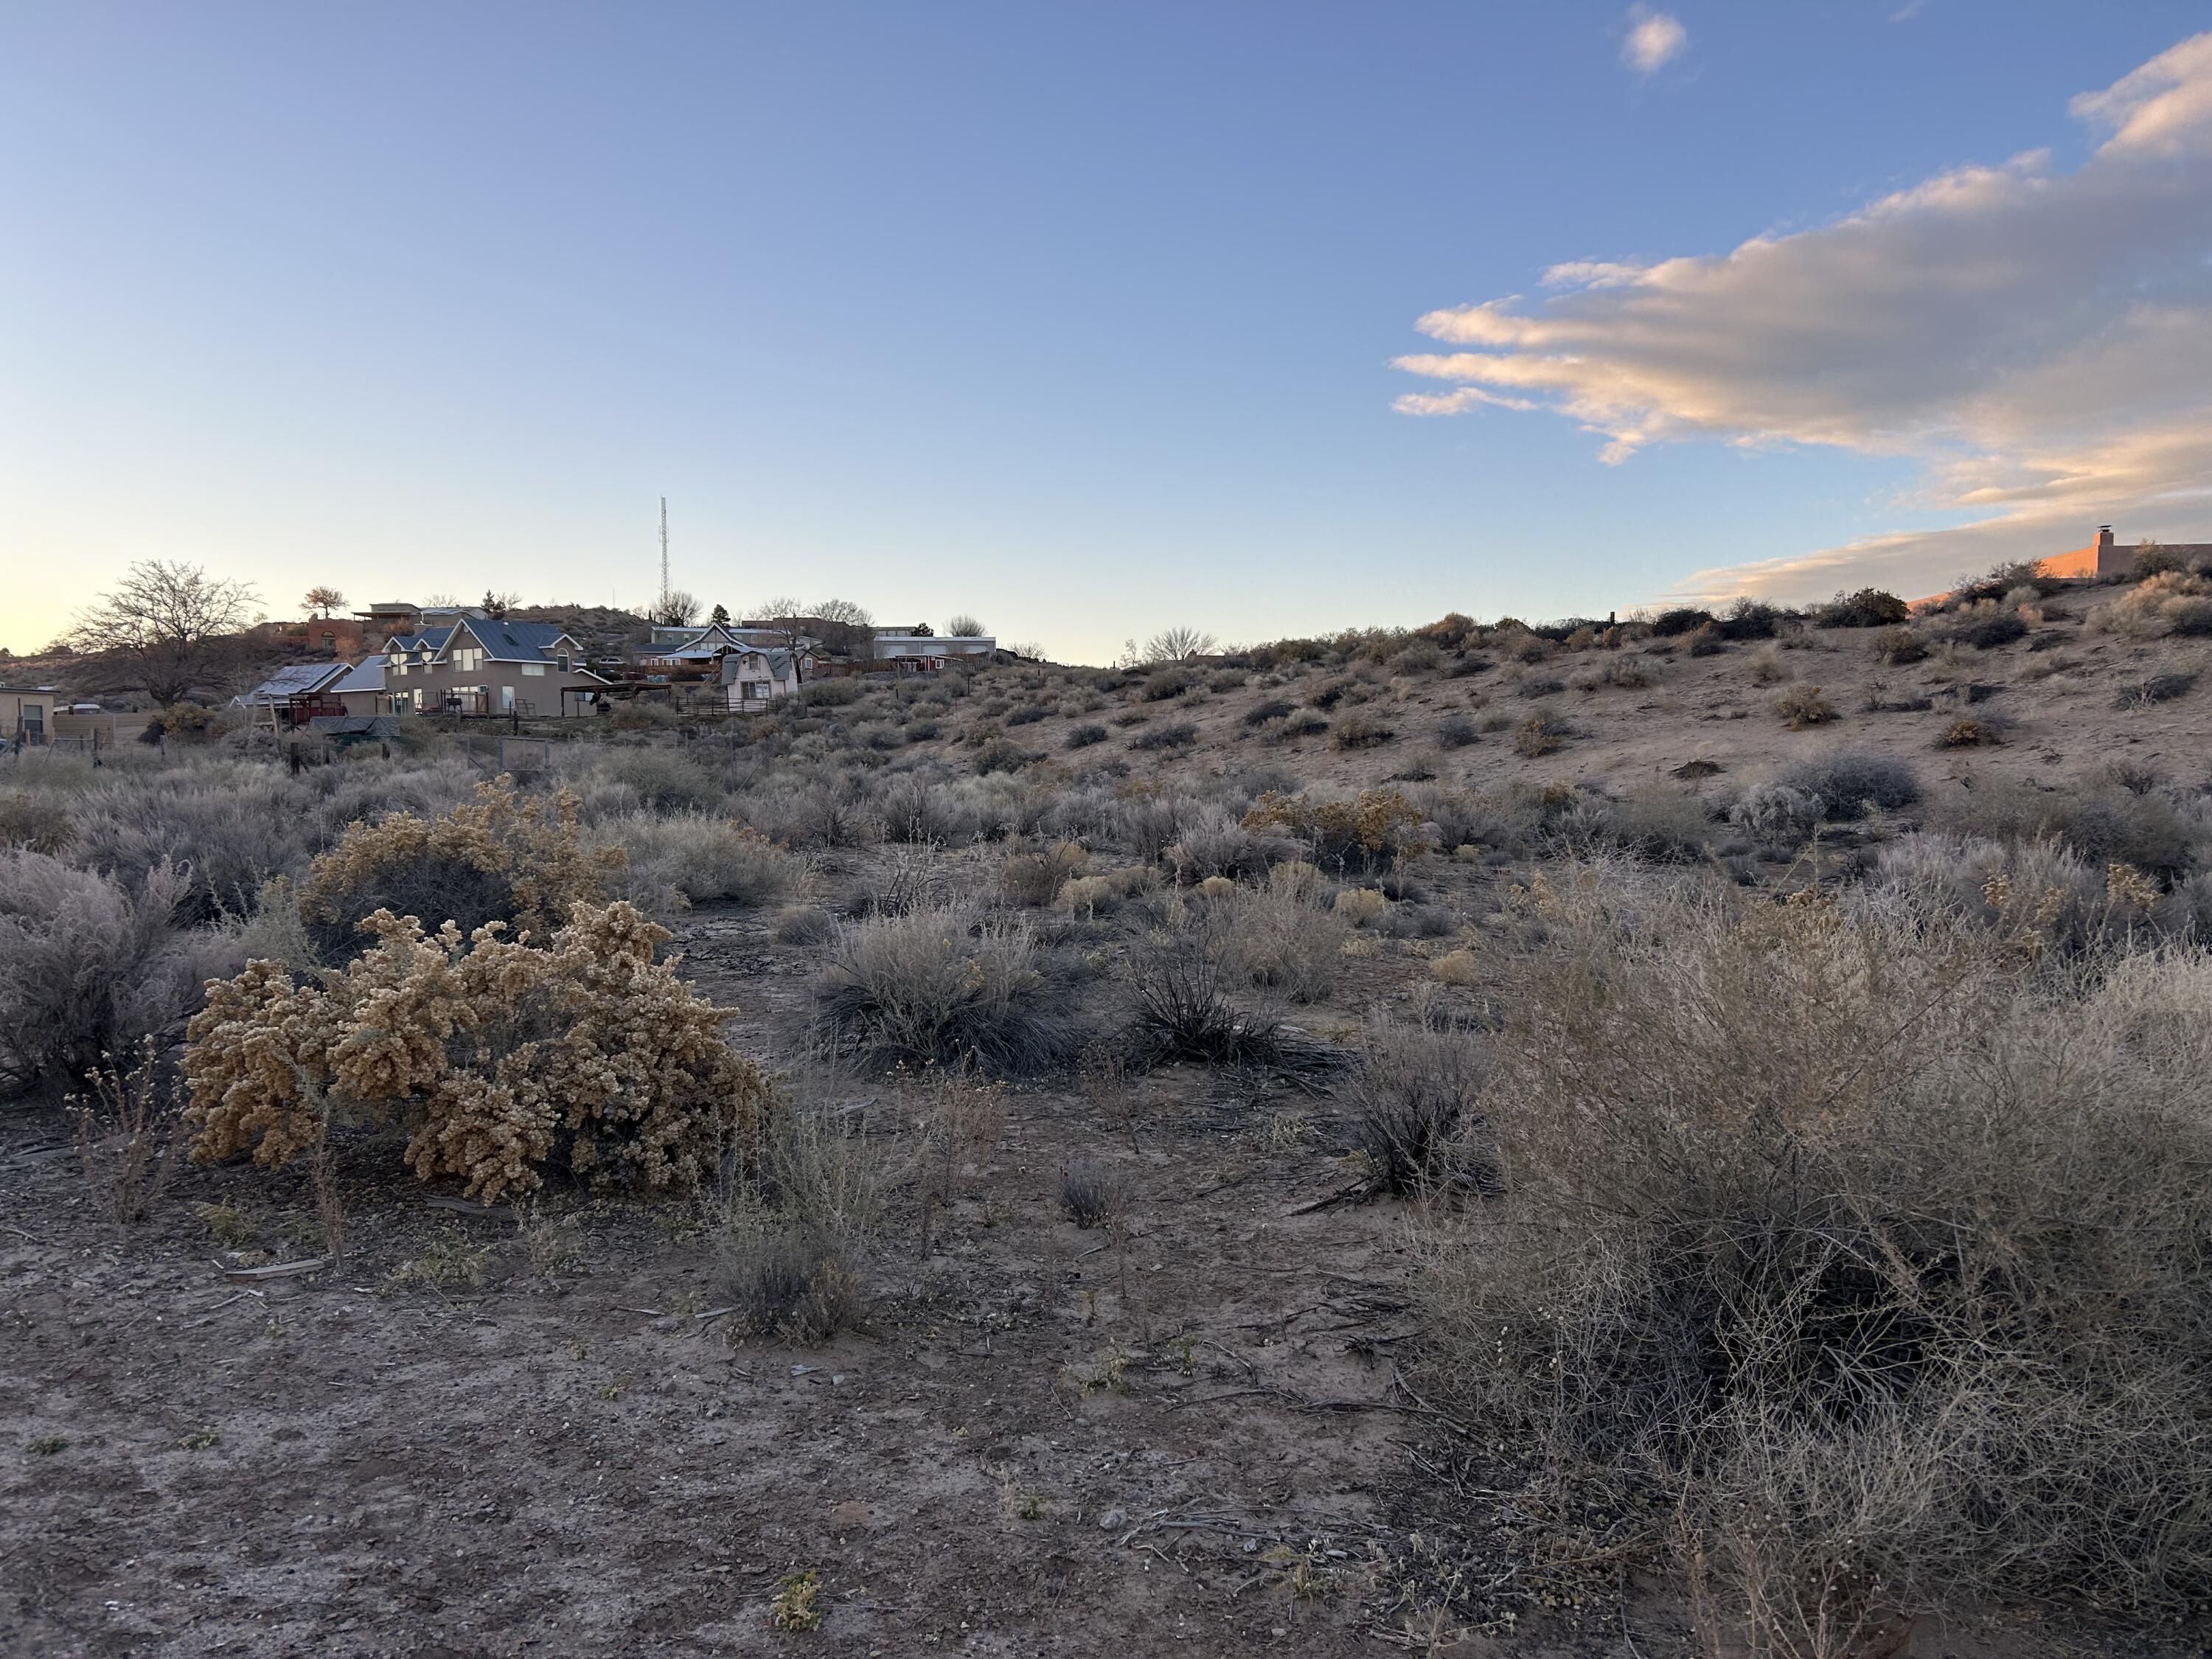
x: 1712, y: 1105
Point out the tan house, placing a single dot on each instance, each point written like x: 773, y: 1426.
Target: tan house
x: 2106, y: 557
x: 27, y: 713
x: 485, y: 665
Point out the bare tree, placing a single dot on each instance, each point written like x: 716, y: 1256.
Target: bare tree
x: 961, y: 626
x: 169, y: 630
x: 781, y: 617
x: 322, y: 601
x: 498, y: 605
x: 845, y: 612
x: 675, y: 609
x: 1178, y: 645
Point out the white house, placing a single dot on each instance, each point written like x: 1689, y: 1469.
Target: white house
x: 753, y: 677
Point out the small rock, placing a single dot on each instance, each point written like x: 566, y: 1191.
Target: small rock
x: 1112, y: 1519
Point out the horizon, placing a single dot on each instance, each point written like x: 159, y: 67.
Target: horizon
x: 1261, y: 322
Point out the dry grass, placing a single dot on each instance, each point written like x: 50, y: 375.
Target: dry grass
x: 1416, y: 1121
x: 935, y: 988
x: 1861, y: 1259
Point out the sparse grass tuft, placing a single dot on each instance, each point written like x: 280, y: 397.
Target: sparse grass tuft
x: 1093, y: 1194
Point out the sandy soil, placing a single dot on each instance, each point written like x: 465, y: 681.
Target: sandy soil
x: 1014, y: 1458
x: 1045, y: 1441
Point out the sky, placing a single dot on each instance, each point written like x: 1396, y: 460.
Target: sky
x: 1263, y: 319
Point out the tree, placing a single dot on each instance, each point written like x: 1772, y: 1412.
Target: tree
x: 675, y: 609
x: 1176, y: 644
x: 169, y: 630
x: 498, y: 605
x: 845, y: 613
x: 322, y: 601
x: 961, y: 626
x: 781, y: 619
x: 720, y: 615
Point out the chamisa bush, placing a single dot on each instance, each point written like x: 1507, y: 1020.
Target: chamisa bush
x: 1368, y: 832
x: 503, y: 857
x: 1857, y: 1257
x: 500, y: 1058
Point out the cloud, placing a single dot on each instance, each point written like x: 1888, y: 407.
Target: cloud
x: 1655, y: 39
x: 2040, y: 341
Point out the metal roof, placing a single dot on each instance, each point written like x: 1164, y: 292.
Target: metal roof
x: 514, y: 642
x: 367, y: 675
x: 296, y: 681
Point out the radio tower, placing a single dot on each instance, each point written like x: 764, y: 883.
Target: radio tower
x: 664, y: 556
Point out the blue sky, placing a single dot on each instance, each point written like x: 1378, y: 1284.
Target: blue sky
x: 1085, y: 319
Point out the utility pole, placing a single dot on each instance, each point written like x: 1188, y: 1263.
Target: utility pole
x: 664, y: 556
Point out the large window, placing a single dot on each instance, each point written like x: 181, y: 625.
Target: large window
x: 534, y: 670
x: 468, y: 658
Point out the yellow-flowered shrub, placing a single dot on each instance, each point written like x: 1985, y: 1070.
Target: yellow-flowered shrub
x: 1370, y: 830
x: 500, y: 1058
x: 505, y: 856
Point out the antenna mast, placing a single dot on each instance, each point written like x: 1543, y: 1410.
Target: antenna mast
x: 664, y: 556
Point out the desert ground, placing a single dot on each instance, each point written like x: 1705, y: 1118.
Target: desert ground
x: 1140, y: 1292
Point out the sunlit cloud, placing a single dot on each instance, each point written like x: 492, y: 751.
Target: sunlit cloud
x: 2040, y: 341
x: 1655, y: 39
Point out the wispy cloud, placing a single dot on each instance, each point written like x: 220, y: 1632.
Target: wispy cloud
x: 1655, y: 39
x: 2040, y: 342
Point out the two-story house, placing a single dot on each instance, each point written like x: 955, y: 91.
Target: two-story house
x: 486, y: 665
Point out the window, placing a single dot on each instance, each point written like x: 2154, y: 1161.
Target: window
x: 468, y: 658
x: 563, y: 660
x: 534, y: 670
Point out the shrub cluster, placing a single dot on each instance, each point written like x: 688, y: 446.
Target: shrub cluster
x: 500, y: 1059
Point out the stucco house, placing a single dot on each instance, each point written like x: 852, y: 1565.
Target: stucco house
x: 486, y: 665
x: 27, y: 711
x: 2106, y: 557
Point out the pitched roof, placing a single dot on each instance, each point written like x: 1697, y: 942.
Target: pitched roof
x: 778, y: 663
x: 514, y: 642
x: 430, y: 639
x: 297, y: 680
x: 367, y: 675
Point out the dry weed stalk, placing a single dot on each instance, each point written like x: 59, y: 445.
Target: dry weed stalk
x: 129, y: 1128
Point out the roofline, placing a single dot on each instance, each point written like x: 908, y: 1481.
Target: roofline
x: 464, y: 622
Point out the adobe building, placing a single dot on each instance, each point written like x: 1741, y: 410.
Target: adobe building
x: 2106, y: 557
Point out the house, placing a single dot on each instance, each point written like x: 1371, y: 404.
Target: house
x: 918, y: 645
x: 753, y: 677
x: 331, y: 636
x: 2106, y: 557
x: 362, y: 693
x: 486, y: 666
x: 26, y: 713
